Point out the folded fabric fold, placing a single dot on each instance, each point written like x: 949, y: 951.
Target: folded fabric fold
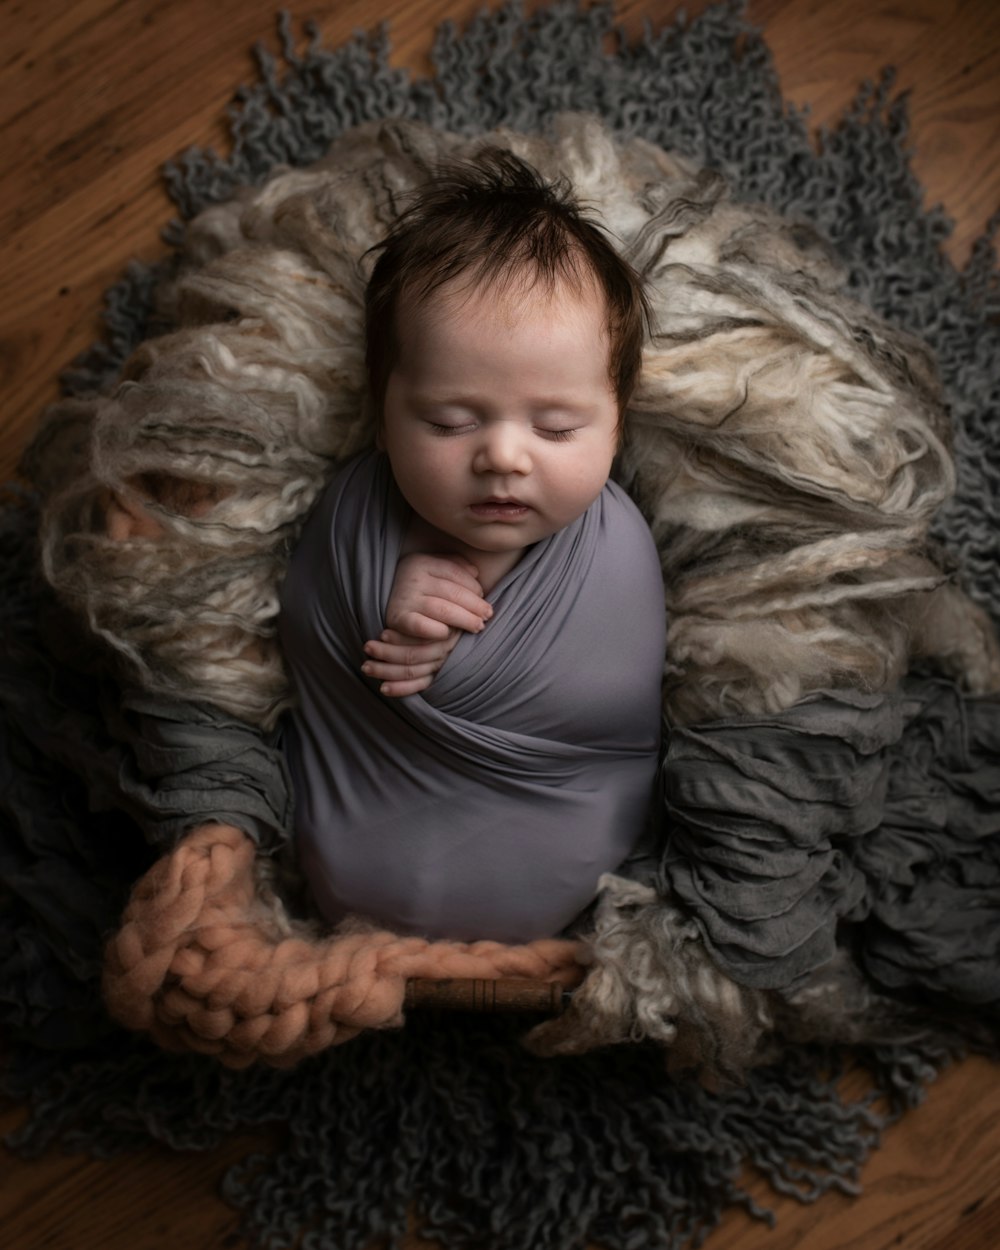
x: 871, y: 821
x: 490, y: 805
x: 933, y: 872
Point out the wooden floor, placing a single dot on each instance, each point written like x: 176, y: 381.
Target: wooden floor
x: 94, y: 96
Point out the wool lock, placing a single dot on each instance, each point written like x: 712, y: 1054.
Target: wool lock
x: 788, y: 448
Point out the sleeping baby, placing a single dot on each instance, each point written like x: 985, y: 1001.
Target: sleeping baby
x: 474, y: 616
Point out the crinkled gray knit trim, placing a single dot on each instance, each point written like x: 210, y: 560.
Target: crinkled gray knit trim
x: 452, y: 1117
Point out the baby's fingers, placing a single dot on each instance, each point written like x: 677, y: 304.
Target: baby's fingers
x: 393, y: 648
x: 400, y: 689
x: 401, y: 679
x: 470, y: 601
x: 439, y: 615
x: 416, y: 625
x: 455, y: 569
x: 399, y: 672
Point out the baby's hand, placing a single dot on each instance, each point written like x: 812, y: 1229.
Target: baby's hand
x: 434, y: 594
x: 433, y: 599
x: 404, y: 664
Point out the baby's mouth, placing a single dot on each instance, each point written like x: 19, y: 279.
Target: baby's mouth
x: 500, y: 509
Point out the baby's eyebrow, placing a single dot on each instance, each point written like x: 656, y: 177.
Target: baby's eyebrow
x: 427, y: 395
x: 563, y: 404
x: 443, y: 397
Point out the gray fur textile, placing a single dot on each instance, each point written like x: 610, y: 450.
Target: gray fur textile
x: 787, y: 446
x: 830, y: 873
x: 448, y: 1118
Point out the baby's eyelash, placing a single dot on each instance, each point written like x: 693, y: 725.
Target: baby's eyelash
x: 449, y: 431
x: 446, y: 431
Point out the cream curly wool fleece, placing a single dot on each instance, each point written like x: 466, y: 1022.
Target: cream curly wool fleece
x: 786, y: 445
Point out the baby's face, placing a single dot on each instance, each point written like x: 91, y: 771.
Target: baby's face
x: 499, y: 419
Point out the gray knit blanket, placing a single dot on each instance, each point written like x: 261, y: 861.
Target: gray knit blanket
x: 762, y: 906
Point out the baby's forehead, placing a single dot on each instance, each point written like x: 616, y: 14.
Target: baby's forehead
x: 503, y: 297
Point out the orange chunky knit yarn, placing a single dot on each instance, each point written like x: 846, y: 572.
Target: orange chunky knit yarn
x: 204, y: 962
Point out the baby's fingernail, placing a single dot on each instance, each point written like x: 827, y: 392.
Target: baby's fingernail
x: 384, y: 688
x: 366, y: 668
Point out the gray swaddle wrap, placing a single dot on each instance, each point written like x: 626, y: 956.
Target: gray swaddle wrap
x: 488, y: 806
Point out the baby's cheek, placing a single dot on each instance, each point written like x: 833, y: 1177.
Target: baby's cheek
x: 579, y: 486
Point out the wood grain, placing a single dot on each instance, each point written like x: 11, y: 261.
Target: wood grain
x: 94, y: 96
x: 935, y: 1171
x: 97, y: 95
x: 933, y: 1185
x: 155, y: 1199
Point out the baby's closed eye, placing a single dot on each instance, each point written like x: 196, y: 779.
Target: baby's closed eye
x: 558, y: 434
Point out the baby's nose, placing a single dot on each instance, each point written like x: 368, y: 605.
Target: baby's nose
x: 503, y: 448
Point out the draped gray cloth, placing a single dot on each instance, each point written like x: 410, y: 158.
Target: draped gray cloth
x: 871, y: 820
x: 81, y: 766
x: 167, y: 764
x: 489, y: 806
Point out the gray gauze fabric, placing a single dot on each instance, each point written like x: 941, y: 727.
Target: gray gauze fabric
x: 168, y: 764
x: 752, y: 807
x: 863, y: 819
x: 489, y: 806
x: 188, y: 763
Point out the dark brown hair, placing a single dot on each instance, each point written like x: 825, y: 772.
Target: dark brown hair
x: 492, y: 221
